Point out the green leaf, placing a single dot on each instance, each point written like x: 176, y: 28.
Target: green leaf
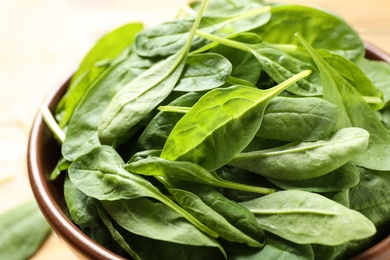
x: 167, y: 38
x: 305, y: 160
x: 245, y: 66
x: 99, y: 174
x: 354, y: 111
x: 278, y: 64
x: 322, y: 29
x: 23, y: 230
x: 298, y: 119
x: 228, y: 7
x: 305, y: 218
x: 157, y: 131
x: 107, y: 48
x: 144, y: 93
x: 185, y: 172
x: 233, y: 212
x: 82, y: 131
x: 275, y: 248
x: 220, y: 125
x: 379, y: 73
x: 83, y: 212
x: 113, y: 227
x: 155, y: 220
x: 345, y: 177
x: 195, y: 206
x: 204, y: 72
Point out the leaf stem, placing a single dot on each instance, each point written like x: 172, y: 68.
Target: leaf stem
x: 174, y: 109
x: 224, y: 41
x: 372, y: 100
x: 52, y: 123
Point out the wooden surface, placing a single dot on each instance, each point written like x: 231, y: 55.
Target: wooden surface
x: 41, y: 41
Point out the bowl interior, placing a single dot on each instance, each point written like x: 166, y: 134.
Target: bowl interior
x: 42, y: 155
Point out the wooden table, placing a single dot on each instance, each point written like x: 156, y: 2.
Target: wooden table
x: 41, y: 41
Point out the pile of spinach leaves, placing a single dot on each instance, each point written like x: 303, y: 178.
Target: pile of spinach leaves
x: 237, y: 130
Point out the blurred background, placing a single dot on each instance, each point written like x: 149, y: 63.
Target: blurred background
x: 42, y: 41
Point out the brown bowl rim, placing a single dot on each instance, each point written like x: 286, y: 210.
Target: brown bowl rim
x: 83, y: 246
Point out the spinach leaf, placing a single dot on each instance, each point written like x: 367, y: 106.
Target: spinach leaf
x: 278, y: 64
x: 298, y: 119
x: 158, y: 222
x: 291, y: 214
x: 305, y: 160
x: 204, y: 72
x: 157, y: 131
x: 220, y: 124
x: 245, y: 65
x: 228, y: 7
x: 234, y: 213
x: 195, y: 206
x: 353, y: 110
x: 379, y: 73
x: 275, y: 248
x: 345, y: 177
x: 356, y: 78
x: 99, y: 174
x: 82, y: 131
x: 107, y: 48
x: 167, y: 38
x: 115, y: 232
x: 83, y: 212
x: 371, y: 196
x: 322, y: 29
x: 182, y: 171
x: 144, y: 93
x: 23, y: 230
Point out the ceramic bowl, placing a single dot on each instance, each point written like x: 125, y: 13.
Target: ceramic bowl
x: 43, y: 154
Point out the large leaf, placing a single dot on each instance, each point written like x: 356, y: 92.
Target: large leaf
x: 322, y: 29
x: 82, y: 131
x: 354, y: 111
x: 305, y: 218
x: 305, y: 160
x: 144, y: 93
x: 155, y: 220
x: 167, y: 38
x: 106, y: 49
x: 207, y: 215
x: 184, y: 172
x: 298, y: 119
x: 220, y: 124
x: 99, y: 174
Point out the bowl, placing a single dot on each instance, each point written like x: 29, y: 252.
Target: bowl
x: 43, y: 153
